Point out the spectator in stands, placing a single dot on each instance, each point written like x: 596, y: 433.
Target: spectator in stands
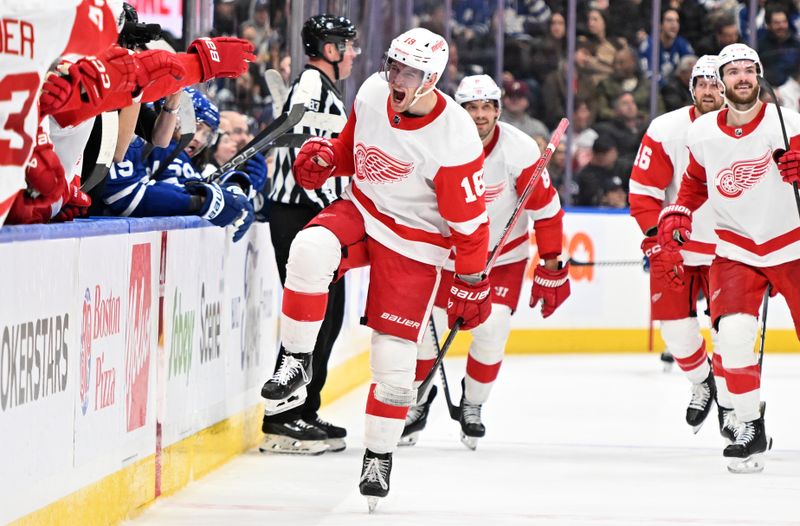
x: 548, y: 52
x: 629, y: 20
x: 789, y: 92
x: 603, y: 51
x: 625, y: 129
x: 593, y: 179
x: 614, y: 194
x: 583, y: 133
x: 225, y: 22
x: 726, y: 31
x: 515, y: 109
x: 692, y: 15
x: 675, y: 92
x: 235, y: 125
x: 671, y: 46
x: 778, y: 49
x: 554, y: 89
x: 626, y: 78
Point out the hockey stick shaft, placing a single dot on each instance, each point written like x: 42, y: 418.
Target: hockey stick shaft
x: 764, y: 308
x: 771, y: 91
x: 276, y: 129
x: 621, y: 263
x: 453, y: 409
x: 519, y: 208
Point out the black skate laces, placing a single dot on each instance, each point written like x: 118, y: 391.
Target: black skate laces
x: 701, y: 394
x: 471, y: 412
x: 376, y: 470
x: 288, y: 369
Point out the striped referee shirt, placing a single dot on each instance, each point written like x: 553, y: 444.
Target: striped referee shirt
x: 324, y: 98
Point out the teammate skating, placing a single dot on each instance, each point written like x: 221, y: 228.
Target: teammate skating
x: 510, y: 160
x: 295, y: 437
x: 418, y: 175
x: 655, y: 182
x: 731, y: 166
x: 416, y: 419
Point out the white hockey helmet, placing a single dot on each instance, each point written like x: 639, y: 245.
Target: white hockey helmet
x: 734, y: 52
x: 706, y: 66
x: 420, y: 49
x: 478, y: 87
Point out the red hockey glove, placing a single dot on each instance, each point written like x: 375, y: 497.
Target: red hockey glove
x: 111, y: 71
x: 76, y: 203
x: 55, y: 93
x: 665, y: 265
x: 674, y: 227
x: 315, y: 162
x: 472, y: 302
x: 789, y: 166
x: 550, y: 286
x: 44, y: 173
x: 222, y: 56
x: 156, y: 63
x: 27, y: 210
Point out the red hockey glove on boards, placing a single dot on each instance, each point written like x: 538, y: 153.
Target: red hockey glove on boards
x: 674, y: 229
x: 222, y: 56
x: 55, y: 93
x: 551, y: 287
x: 44, y: 173
x: 315, y: 162
x: 76, y: 203
x: 112, y: 70
x: 472, y: 302
x: 789, y: 166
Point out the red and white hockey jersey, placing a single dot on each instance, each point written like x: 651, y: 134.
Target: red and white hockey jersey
x: 756, y: 215
x: 656, y: 178
x: 418, y: 181
x: 34, y: 34
x: 511, y: 157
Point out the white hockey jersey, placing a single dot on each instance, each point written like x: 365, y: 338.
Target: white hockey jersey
x: 656, y: 178
x: 418, y: 181
x: 33, y: 34
x: 510, y: 160
x: 756, y: 215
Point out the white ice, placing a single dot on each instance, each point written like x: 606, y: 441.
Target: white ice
x: 571, y: 440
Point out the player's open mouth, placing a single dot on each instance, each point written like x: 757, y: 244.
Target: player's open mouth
x: 398, y: 96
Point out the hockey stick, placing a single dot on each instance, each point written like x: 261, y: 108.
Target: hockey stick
x: 188, y: 126
x: 541, y: 165
x: 621, y: 263
x: 277, y: 89
x: 778, y: 153
x: 454, y: 410
x: 278, y: 127
x: 109, y: 128
x: 764, y: 308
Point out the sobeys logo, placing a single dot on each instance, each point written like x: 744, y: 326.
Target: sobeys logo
x: 210, y: 328
x: 180, y: 352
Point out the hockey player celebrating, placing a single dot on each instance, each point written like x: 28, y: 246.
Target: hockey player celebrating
x: 731, y: 165
x: 328, y: 42
x: 655, y: 180
x: 510, y: 160
x: 417, y: 191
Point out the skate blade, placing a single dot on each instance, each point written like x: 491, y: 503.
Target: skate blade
x: 296, y: 399
x: 751, y: 464
x: 470, y: 442
x: 336, y: 444
x: 666, y: 367
x: 372, y: 503
x: 696, y: 429
x: 290, y: 446
x: 409, y: 440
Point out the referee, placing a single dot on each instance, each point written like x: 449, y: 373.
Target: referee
x: 328, y: 42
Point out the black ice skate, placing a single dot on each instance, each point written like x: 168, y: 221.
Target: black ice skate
x: 294, y: 438
x: 667, y: 360
x: 416, y: 419
x: 335, y: 434
x: 727, y: 424
x: 747, y: 451
x: 471, y: 426
x: 703, y: 396
x: 286, y: 389
x: 375, y: 472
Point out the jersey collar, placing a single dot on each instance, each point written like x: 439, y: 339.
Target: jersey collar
x: 692, y: 113
x: 737, y: 132
x: 489, y: 147
x: 403, y: 121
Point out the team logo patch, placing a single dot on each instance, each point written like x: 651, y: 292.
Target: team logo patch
x: 376, y: 166
x: 656, y: 297
x: 742, y: 175
x: 493, y: 191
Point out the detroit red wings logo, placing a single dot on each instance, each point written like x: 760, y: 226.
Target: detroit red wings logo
x: 376, y: 166
x: 493, y: 191
x: 742, y: 175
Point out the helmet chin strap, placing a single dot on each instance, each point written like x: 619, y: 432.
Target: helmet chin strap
x: 730, y: 103
x: 418, y: 94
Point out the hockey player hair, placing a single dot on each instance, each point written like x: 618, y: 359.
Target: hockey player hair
x: 321, y: 30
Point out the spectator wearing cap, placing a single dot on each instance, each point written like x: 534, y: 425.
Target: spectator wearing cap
x: 614, y: 194
x: 671, y: 46
x: 515, y: 109
x: 778, y: 48
x: 627, y: 78
x: 593, y: 178
x: 625, y: 129
x: 675, y: 92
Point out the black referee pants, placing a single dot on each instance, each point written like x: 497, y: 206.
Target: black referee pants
x: 285, y: 221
